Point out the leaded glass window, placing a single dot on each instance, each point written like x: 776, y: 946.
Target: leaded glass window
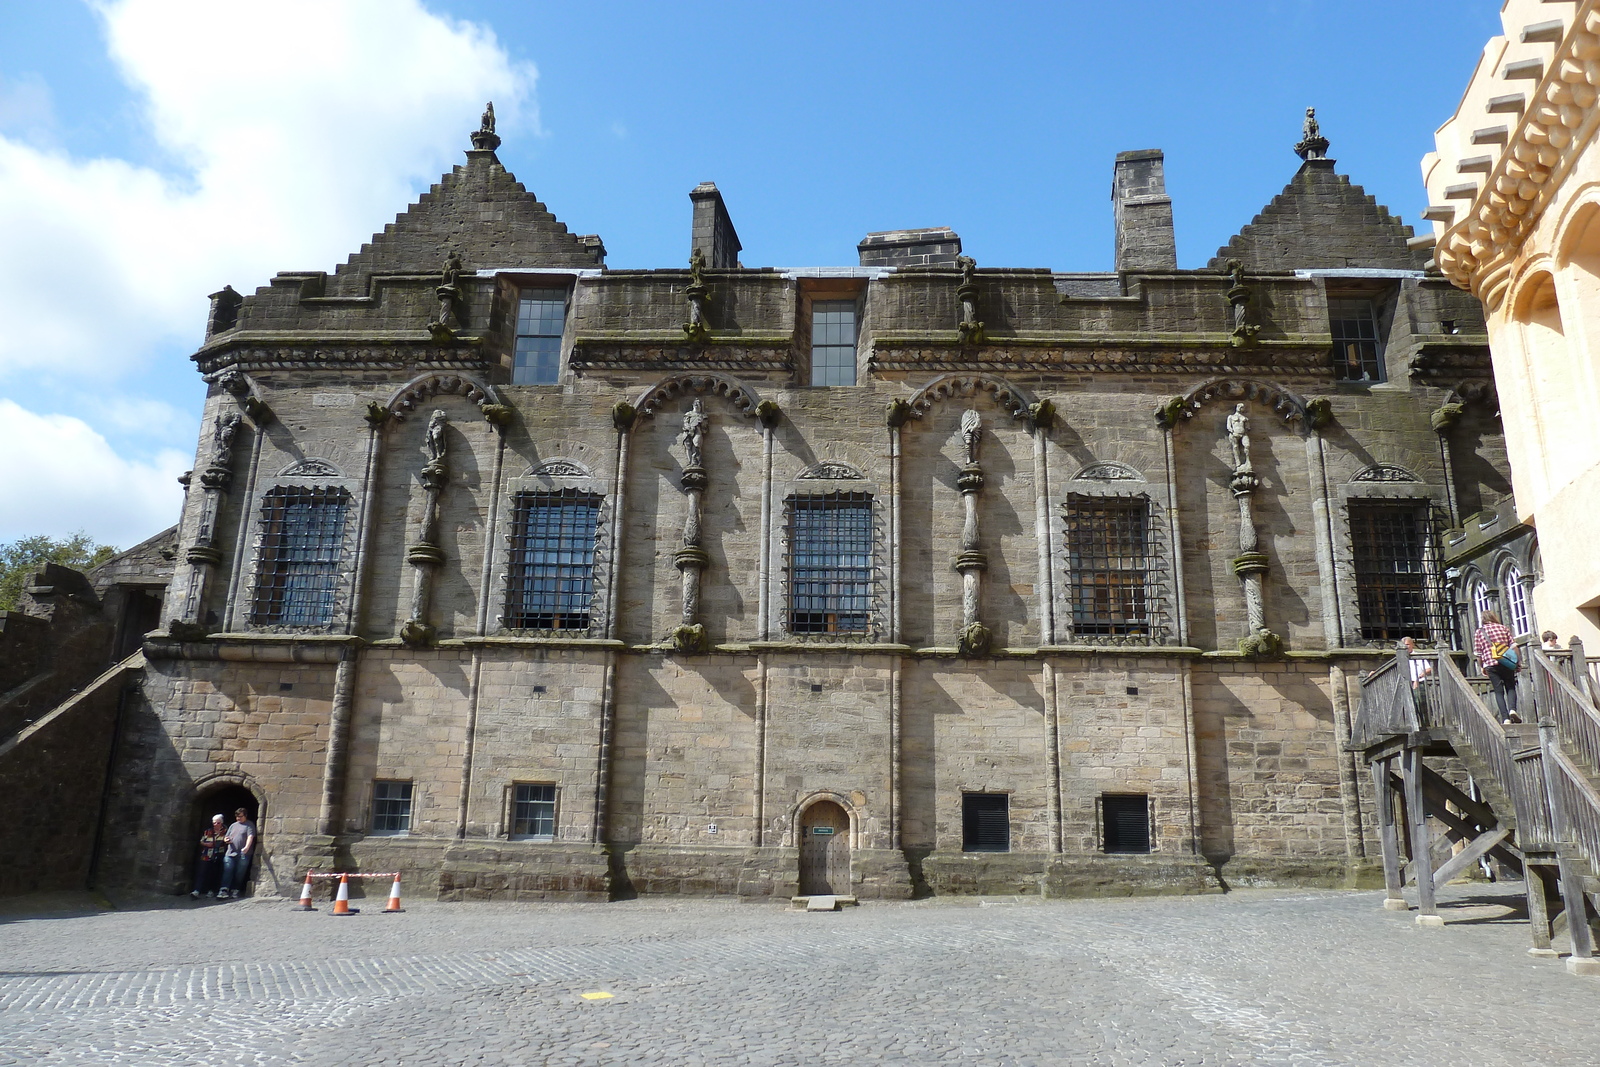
x: 1108, y: 565
x: 551, y: 580
x: 541, y: 318
x: 833, y: 342
x: 1357, y: 355
x: 830, y: 563
x: 302, y: 556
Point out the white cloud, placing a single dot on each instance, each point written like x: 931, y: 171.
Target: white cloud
x: 70, y: 478
x: 294, y: 130
x: 297, y: 129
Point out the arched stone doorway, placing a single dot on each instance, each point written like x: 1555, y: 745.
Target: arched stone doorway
x: 824, y: 850
x: 222, y: 796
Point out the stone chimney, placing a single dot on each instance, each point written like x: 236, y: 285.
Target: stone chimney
x: 1142, y: 212
x: 937, y: 246
x: 713, y: 233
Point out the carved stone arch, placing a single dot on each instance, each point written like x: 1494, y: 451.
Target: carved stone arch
x: 744, y: 399
x: 1013, y: 400
x: 829, y: 469
x: 560, y: 467
x: 1291, y: 406
x: 1108, y: 472
x: 408, y: 396
x: 852, y: 809
x: 1532, y: 279
x: 1385, y: 472
x: 311, y: 467
x: 1582, y: 211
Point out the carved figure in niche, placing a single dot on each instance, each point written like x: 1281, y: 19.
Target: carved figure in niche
x: 436, y: 439
x: 1239, y: 438
x: 971, y: 434
x: 693, y: 436
x: 222, y: 436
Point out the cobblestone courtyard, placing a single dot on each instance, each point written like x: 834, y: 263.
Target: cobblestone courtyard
x: 1259, y: 977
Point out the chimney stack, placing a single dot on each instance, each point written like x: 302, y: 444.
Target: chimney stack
x: 713, y: 233
x: 1142, y: 212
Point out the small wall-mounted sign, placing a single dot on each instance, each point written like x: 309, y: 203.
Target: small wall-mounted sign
x: 822, y: 831
x: 711, y: 829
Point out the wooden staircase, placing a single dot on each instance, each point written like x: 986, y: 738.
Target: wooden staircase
x: 1536, y: 807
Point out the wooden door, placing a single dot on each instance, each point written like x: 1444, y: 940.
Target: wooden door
x: 824, y: 850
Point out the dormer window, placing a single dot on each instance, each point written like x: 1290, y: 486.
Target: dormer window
x: 1357, y: 352
x: 541, y: 318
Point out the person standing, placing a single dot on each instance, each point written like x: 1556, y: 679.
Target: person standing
x: 236, y: 863
x: 1489, y: 647
x: 1421, y: 670
x: 208, y: 872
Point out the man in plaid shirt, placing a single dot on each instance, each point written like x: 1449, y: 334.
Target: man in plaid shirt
x: 1493, y: 635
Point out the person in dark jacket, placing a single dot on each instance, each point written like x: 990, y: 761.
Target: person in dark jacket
x: 208, y: 872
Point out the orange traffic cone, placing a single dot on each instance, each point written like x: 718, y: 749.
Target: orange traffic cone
x: 341, y: 903
x: 394, y: 907
x: 305, y: 895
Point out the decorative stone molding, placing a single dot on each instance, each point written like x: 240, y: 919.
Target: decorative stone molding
x: 311, y: 468
x: 1233, y: 390
x: 424, y: 386
x: 743, y: 398
x: 1476, y: 249
x: 1108, y: 472
x: 560, y: 468
x: 829, y: 469
x: 1011, y: 399
x: 1385, y: 472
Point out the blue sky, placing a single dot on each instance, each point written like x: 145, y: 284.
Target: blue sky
x: 151, y: 152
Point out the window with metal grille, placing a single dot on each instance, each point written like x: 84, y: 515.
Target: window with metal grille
x: 391, y: 807
x: 1125, y: 822
x: 830, y: 563
x: 541, y: 317
x: 1390, y: 542
x: 1108, y: 560
x: 302, y: 556
x: 1515, y: 597
x: 551, y: 580
x: 985, y: 822
x: 833, y: 342
x: 1357, y: 355
x: 533, y: 811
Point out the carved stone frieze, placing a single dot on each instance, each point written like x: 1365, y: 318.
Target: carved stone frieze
x: 829, y: 470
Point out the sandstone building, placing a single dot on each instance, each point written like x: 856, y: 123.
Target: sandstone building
x: 528, y: 577
x: 1514, y: 195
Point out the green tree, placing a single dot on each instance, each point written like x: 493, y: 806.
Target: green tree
x: 20, y: 560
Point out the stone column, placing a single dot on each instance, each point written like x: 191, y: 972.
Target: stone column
x: 975, y: 637
x: 203, y: 554
x: 426, y: 555
x: 1251, y: 563
x: 691, y: 559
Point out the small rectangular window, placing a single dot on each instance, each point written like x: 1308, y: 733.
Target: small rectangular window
x: 302, y: 556
x: 1108, y: 564
x: 985, y: 822
x: 391, y: 807
x: 541, y: 318
x: 1127, y: 822
x: 830, y: 563
x: 1357, y: 355
x: 551, y: 579
x: 1389, y: 542
x: 833, y: 342
x: 533, y: 812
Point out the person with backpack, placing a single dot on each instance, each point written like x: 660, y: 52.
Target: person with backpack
x: 1493, y: 648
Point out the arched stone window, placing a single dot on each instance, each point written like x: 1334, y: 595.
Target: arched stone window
x: 1514, y: 596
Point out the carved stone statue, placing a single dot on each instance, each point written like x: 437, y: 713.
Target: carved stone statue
x: 222, y: 437
x: 1312, y: 144
x: 695, y: 329
x: 487, y: 124
x: 436, y: 439
x: 967, y: 265
x: 484, y: 138
x: 1239, y: 438
x: 971, y: 433
x: 693, y: 437
x: 1309, y: 130
x: 1235, y: 274
x: 969, y: 328
x: 452, y: 269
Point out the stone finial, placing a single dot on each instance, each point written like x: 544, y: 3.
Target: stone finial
x: 484, y: 139
x: 1312, y: 144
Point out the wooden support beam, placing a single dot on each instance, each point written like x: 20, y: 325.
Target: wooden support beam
x: 1577, y: 909
x: 1388, y: 833
x: 1537, y: 880
x: 1463, y: 830
x: 1468, y: 856
x: 1427, y: 909
x: 1436, y: 785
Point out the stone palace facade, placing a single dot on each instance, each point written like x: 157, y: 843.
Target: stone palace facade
x: 531, y: 578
